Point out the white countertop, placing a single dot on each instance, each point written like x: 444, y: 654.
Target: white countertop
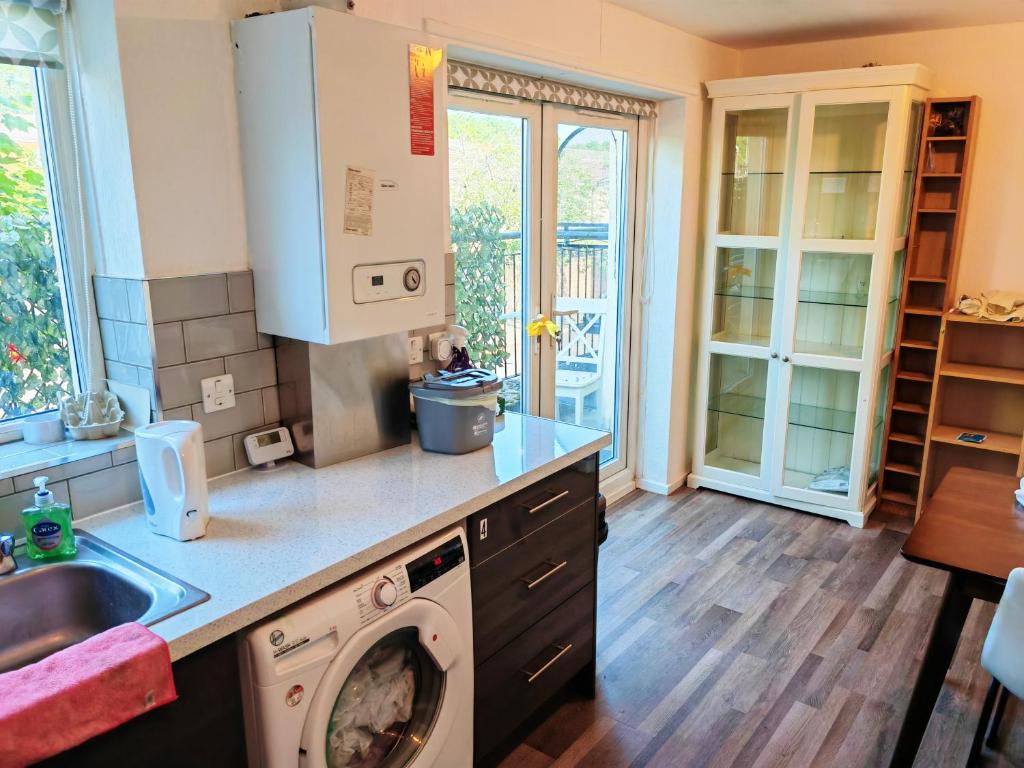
x: 276, y: 537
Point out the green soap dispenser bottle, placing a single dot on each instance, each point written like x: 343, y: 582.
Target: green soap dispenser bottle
x: 47, y: 525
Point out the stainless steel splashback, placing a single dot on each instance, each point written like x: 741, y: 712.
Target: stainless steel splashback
x: 344, y: 401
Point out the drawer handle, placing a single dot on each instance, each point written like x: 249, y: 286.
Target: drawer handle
x: 562, y: 650
x: 555, y: 568
x: 545, y: 504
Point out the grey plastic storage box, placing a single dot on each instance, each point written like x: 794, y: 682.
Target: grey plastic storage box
x: 455, y: 411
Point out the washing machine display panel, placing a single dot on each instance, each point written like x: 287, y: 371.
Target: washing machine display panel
x: 381, y: 592
x: 436, y: 563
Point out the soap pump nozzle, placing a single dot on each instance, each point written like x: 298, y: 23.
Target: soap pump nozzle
x: 43, y: 497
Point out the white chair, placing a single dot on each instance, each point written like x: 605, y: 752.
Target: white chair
x: 1001, y: 658
x: 581, y: 350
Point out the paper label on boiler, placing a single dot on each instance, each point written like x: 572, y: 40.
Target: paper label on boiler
x: 833, y: 185
x: 359, y: 184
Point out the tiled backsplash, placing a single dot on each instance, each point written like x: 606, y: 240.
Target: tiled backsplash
x: 166, y: 335
x: 206, y: 326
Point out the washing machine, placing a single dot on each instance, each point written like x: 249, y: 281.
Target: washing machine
x: 374, y: 673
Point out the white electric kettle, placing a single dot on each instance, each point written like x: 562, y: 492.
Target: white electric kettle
x: 172, y: 468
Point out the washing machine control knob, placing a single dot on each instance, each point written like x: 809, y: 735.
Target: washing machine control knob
x: 384, y: 593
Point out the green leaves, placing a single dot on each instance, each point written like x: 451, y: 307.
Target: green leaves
x: 481, y: 258
x: 35, y: 358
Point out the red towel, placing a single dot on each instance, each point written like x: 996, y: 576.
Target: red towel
x: 81, y: 692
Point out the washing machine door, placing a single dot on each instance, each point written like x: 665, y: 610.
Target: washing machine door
x: 390, y: 696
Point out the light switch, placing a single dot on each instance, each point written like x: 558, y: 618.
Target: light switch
x: 415, y: 350
x: 218, y: 393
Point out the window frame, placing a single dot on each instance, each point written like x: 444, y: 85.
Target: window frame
x: 58, y: 155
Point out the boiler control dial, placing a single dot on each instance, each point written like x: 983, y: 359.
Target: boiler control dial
x: 384, y: 593
x: 411, y: 279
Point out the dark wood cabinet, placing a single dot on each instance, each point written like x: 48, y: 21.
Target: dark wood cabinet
x: 534, y: 578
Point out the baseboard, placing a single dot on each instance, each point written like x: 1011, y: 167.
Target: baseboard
x: 618, y: 486
x: 663, y: 489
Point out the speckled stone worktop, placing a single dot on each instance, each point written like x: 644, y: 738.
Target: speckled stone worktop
x: 276, y: 537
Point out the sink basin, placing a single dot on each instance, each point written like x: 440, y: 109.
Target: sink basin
x: 48, y: 605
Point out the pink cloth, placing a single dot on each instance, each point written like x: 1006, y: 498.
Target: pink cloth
x: 81, y: 692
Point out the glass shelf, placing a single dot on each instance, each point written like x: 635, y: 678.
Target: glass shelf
x: 845, y: 170
x: 819, y: 417
x: 753, y: 171
x: 744, y: 289
x: 832, y: 307
x: 737, y: 390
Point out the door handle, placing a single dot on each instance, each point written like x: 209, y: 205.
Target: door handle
x: 562, y: 650
x: 555, y: 568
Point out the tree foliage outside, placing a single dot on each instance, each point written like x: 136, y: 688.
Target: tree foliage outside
x: 35, y: 359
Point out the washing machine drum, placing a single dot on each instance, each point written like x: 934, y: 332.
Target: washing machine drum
x: 383, y: 701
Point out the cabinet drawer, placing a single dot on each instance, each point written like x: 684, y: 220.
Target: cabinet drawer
x: 527, y: 580
x: 527, y: 672
x: 503, y: 524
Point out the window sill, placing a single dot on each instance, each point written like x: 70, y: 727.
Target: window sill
x: 19, y: 458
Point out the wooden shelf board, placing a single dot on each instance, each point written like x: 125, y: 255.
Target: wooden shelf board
x: 919, y: 344
x: 931, y: 311
x: 899, y: 498
x: 936, y: 210
x: 941, y: 175
x: 925, y: 378
x: 983, y: 373
x: 917, y: 408
x: 998, y: 442
x: 958, y: 318
x: 906, y: 437
x: 946, y: 138
x: 926, y: 279
x: 903, y: 469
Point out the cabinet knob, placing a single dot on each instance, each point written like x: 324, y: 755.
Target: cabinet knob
x: 774, y: 355
x: 785, y: 359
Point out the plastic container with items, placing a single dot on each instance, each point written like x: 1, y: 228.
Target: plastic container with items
x: 455, y: 410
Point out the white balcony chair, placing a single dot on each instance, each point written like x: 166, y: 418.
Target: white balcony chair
x: 1001, y: 658
x: 579, y: 362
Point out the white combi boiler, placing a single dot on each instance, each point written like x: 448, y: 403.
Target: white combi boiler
x: 376, y: 672
x: 344, y: 152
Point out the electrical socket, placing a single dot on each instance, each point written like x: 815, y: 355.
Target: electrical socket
x: 415, y: 350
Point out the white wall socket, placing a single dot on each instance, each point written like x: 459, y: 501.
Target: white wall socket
x: 218, y: 393
x: 415, y: 350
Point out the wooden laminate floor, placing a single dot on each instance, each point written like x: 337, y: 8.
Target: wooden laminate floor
x: 733, y: 633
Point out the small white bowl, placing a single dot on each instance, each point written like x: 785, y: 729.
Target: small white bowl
x: 43, y: 428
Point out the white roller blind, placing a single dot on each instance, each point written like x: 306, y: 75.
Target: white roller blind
x: 29, y: 32
x: 472, y: 77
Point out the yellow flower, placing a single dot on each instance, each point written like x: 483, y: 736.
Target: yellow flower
x: 540, y: 325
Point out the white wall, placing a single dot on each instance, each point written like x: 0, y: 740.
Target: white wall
x: 987, y: 61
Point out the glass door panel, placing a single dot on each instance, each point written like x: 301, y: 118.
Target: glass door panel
x: 737, y: 389
x: 822, y: 413
x: 878, y: 425
x: 753, y: 168
x: 910, y: 166
x: 487, y: 181
x: 588, y: 267
x: 744, y: 293
x: 892, y: 306
x: 846, y: 170
x: 832, y: 303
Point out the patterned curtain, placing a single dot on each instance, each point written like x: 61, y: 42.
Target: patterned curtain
x: 29, y: 33
x: 475, y: 78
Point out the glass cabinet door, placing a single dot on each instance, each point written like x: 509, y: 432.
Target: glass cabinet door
x: 753, y: 171
x: 734, y: 431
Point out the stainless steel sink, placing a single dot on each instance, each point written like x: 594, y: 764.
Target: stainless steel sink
x: 49, y: 605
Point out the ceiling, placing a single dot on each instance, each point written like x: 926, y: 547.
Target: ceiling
x: 752, y: 23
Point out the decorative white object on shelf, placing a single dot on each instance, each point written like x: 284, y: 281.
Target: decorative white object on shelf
x: 92, y: 415
x: 42, y: 429
x: 1003, y: 306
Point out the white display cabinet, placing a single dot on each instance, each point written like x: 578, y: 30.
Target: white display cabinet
x: 810, y: 177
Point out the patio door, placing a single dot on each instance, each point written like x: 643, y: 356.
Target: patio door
x: 543, y: 201
x: 588, y: 210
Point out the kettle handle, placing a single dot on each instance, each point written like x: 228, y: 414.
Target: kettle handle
x: 175, y: 444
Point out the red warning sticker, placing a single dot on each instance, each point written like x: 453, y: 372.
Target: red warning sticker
x: 422, y: 63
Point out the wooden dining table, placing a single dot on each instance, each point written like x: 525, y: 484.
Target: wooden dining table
x: 973, y: 528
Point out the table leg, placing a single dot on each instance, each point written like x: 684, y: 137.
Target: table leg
x: 956, y: 603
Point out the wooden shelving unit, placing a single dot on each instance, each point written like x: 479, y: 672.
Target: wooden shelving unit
x: 928, y: 291
x: 979, y: 390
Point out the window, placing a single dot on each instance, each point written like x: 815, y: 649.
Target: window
x: 37, y: 360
